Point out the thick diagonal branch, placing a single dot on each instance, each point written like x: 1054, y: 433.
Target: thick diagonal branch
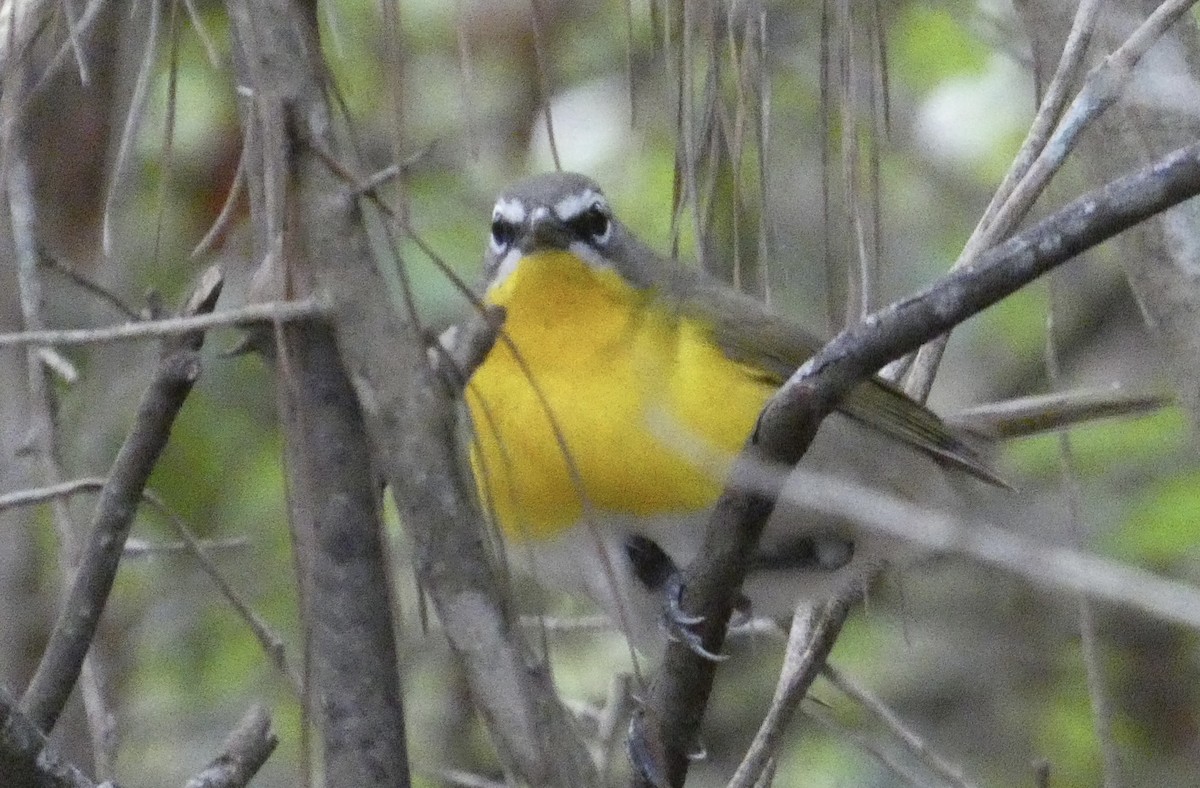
x: 305, y: 214
x: 676, y: 703
x: 178, y: 368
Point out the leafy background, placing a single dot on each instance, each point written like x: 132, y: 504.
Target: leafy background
x: 985, y: 667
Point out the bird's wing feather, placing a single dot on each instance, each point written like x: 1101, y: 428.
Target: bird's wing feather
x: 749, y: 332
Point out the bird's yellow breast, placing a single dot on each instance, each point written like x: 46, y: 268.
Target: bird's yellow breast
x: 610, y: 398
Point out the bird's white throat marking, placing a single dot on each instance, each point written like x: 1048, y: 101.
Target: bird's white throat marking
x: 589, y: 255
x: 508, y: 264
x: 566, y: 209
x: 510, y: 260
x: 569, y: 207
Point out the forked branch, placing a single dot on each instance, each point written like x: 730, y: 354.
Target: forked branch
x: 675, y: 705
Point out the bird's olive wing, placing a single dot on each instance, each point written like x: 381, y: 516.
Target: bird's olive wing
x: 749, y: 332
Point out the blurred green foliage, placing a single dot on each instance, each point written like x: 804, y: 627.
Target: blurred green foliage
x: 193, y: 667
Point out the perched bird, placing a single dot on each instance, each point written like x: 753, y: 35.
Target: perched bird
x: 609, y: 414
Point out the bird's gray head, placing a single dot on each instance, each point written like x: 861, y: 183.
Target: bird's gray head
x: 561, y: 210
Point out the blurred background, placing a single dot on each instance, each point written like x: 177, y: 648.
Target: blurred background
x: 826, y: 159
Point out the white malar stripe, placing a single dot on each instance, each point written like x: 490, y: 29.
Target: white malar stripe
x: 512, y: 211
x: 589, y: 255
x: 508, y: 264
x: 568, y: 208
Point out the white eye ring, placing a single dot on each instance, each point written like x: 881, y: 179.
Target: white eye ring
x: 503, y: 234
x: 593, y: 225
x: 507, y: 216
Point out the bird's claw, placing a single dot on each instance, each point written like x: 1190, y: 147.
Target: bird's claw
x: 646, y: 753
x: 679, y: 623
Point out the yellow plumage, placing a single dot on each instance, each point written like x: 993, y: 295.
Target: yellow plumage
x: 608, y: 414
x: 628, y: 371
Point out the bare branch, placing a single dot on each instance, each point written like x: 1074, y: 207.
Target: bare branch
x: 1101, y: 89
x: 1024, y: 416
x: 24, y: 760
x: 179, y: 366
x: 899, y: 730
x: 303, y: 206
x: 333, y: 488
x: 790, y: 419
x: 282, y: 312
x: 50, y: 492
x: 246, y: 750
x: 814, y: 631
x: 271, y: 643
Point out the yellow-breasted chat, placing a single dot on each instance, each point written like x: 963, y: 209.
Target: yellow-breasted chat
x: 606, y: 420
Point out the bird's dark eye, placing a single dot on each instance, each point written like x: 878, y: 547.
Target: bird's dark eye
x: 504, y: 232
x: 592, y: 225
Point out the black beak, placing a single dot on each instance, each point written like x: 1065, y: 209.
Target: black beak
x: 545, y: 232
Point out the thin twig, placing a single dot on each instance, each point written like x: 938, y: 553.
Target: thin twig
x: 37, y: 495
x: 902, y: 733
x: 244, y: 753
x: 1041, y: 773
x: 536, y: 20
x: 282, y: 311
x: 206, y: 39
x: 59, y: 364
x: 140, y: 548
x: 1034, y: 559
x: 887, y: 759
x: 138, y: 104
x: 466, y: 80
x: 85, y: 78
x: 1024, y: 416
x: 1102, y: 713
x: 226, y: 214
x: 272, y: 644
x: 1070, y: 63
x: 1101, y: 89
x: 47, y: 74
x: 179, y: 366
x: 465, y: 779
x: 790, y: 419
x: 614, y: 717
x: 18, y: 181
x: 814, y: 631
x: 101, y: 292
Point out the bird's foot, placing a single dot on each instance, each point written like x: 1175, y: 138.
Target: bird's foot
x: 681, y: 625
